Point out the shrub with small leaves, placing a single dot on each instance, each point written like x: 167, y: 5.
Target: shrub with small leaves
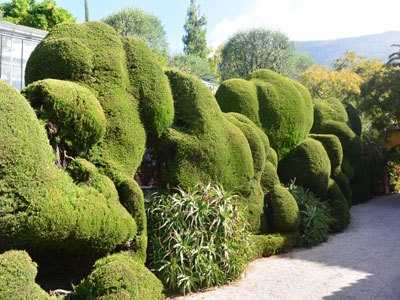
x: 197, y: 238
x: 315, y: 216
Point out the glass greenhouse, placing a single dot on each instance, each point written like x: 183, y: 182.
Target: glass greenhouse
x: 16, y: 45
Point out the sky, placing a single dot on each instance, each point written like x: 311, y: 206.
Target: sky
x: 301, y: 20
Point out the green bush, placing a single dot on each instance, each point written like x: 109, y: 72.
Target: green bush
x: 128, y: 83
x: 270, y: 244
x: 203, y: 146
x: 354, y: 119
x: 73, y: 110
x: 119, y: 276
x: 240, y: 96
x: 340, y: 207
x: 41, y: 208
x: 17, y: 277
x: 328, y: 109
x: 283, y: 212
x: 309, y: 165
x: 314, y: 217
x: 343, y: 181
x: 283, y: 108
x: 333, y: 148
x: 197, y: 238
x: 269, y: 178
x: 362, y: 184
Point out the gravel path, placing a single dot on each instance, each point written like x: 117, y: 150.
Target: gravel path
x: 363, y: 262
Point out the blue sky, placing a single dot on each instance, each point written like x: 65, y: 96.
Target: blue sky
x: 299, y: 19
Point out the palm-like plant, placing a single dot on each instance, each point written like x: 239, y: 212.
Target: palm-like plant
x: 394, y: 58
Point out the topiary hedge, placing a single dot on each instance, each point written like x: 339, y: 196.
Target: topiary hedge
x: 283, y: 108
x: 42, y: 208
x: 204, y: 146
x: 17, y: 277
x: 340, y: 207
x: 354, y: 119
x: 119, y: 276
x: 128, y: 83
x: 309, y: 165
x: 333, y: 148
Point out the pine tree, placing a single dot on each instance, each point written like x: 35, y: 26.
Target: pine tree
x: 195, y: 38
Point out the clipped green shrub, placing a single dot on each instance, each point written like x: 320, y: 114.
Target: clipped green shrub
x: 283, y: 108
x: 309, y: 165
x: 283, y: 212
x: 333, y: 148
x: 361, y: 183
x: 273, y: 157
x: 240, y: 96
x: 149, y: 85
x: 328, y: 109
x: 354, y: 119
x: 119, y: 276
x: 314, y: 217
x: 348, y: 169
x: 17, y: 277
x: 41, y: 208
x: 270, y: 244
x: 197, y: 238
x: 351, y: 143
x: 269, y: 178
x: 72, y: 110
x: 343, y: 181
x: 132, y: 90
x: 340, y: 207
x: 203, y: 146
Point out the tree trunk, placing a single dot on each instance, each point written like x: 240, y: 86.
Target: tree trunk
x: 86, y: 11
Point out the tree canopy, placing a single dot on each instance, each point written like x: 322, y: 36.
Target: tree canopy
x: 255, y: 49
x: 191, y: 64
x: 42, y: 15
x: 194, y: 39
x: 143, y: 25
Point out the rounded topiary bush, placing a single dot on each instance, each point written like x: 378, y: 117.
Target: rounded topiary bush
x: 17, y: 277
x: 281, y: 107
x: 240, y: 96
x: 197, y: 238
x: 340, y: 207
x: 76, y: 117
x: 334, y: 150
x: 203, y: 146
x: 269, y: 178
x: 328, y: 109
x: 42, y: 208
x: 354, y: 119
x: 285, y: 115
x: 273, y: 157
x: 361, y: 183
x: 351, y: 143
x: 119, y: 276
x: 343, y: 181
x: 283, y: 212
x: 309, y: 165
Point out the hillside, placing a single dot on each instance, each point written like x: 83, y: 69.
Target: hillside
x: 370, y: 46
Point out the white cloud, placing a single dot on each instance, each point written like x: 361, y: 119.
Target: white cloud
x: 304, y: 20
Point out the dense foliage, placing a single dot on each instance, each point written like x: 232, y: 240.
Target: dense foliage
x: 248, y: 51
x: 138, y: 23
x: 314, y: 217
x: 197, y: 238
x: 191, y: 64
x: 194, y: 40
x: 42, y: 15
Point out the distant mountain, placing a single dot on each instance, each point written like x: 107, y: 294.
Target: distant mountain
x: 370, y: 46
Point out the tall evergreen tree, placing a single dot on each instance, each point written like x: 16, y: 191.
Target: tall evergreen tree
x: 195, y: 38
x: 86, y: 11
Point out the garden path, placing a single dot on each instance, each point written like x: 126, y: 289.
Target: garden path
x: 363, y: 262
